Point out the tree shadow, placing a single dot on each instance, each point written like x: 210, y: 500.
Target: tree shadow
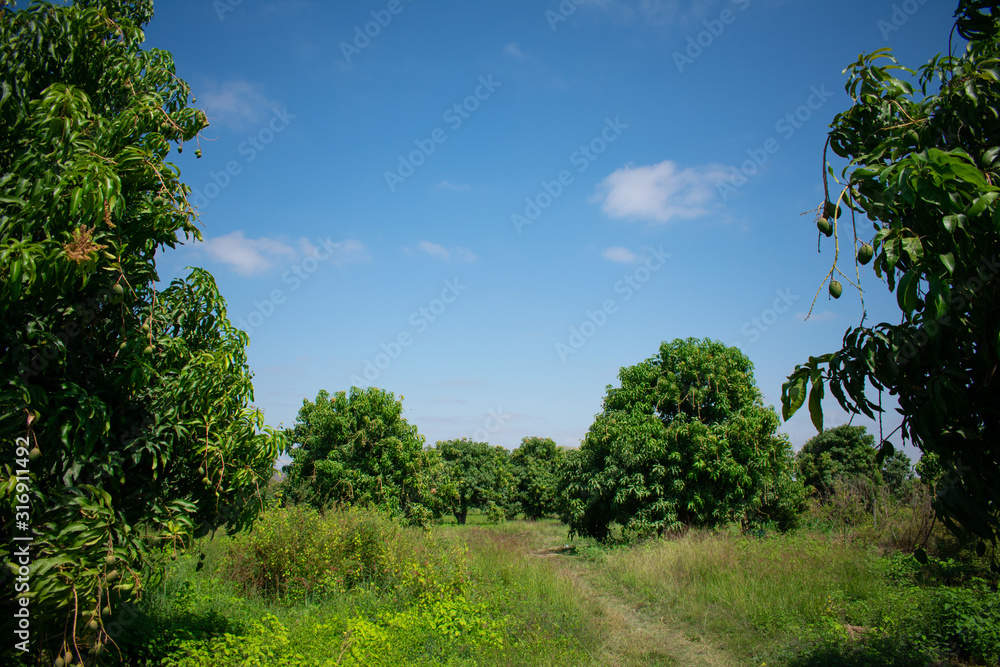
x: 867, y: 652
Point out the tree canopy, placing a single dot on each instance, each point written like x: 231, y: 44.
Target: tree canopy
x: 481, y: 476
x: 130, y: 406
x: 922, y: 151
x: 848, y: 453
x: 684, y: 441
x: 354, y: 448
x: 536, y: 468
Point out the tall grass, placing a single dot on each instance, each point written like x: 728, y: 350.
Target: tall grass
x: 747, y: 590
x: 354, y: 588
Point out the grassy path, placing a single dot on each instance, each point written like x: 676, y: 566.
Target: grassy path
x: 634, y: 635
x: 630, y: 632
x: 525, y: 597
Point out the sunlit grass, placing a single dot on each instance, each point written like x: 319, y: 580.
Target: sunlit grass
x: 522, y: 613
x: 746, y: 590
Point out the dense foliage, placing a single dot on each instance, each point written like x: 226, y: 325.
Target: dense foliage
x: 924, y: 165
x: 536, y: 468
x: 684, y: 441
x: 481, y: 476
x: 354, y: 448
x: 848, y: 453
x: 113, y: 394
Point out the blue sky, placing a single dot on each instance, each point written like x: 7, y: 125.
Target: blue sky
x: 490, y: 208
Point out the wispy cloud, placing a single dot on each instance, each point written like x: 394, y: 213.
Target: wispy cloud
x: 447, y: 185
x: 513, y: 50
x: 465, y: 255
x: 435, y: 250
x: 237, y: 103
x: 649, y: 12
x: 660, y: 192
x: 458, y: 253
x: 619, y: 254
x: 249, y: 257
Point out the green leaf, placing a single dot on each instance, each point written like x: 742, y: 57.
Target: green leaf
x: 914, y: 249
x: 891, y: 248
x: 794, y: 393
x: 906, y: 293
x: 887, y: 449
x: 948, y: 260
x: 954, y: 222
x: 982, y: 204
x: 816, y: 404
x: 74, y: 201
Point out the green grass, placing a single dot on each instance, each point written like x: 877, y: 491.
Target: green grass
x: 808, y: 599
x: 744, y: 590
x: 506, y: 609
x: 522, y: 593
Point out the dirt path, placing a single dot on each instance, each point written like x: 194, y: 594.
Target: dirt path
x: 634, y: 635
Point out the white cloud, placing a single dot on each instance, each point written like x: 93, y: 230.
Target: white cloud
x: 465, y: 255
x: 446, y: 185
x: 619, y: 254
x: 435, y: 250
x: 514, y: 50
x: 661, y: 192
x: 247, y: 256
x: 250, y: 257
x: 440, y: 252
x: 348, y: 250
x: 238, y: 104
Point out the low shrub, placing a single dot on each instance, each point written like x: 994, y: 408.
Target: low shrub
x: 296, y: 553
x: 965, y: 622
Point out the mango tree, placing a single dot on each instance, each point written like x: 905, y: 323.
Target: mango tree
x: 535, y: 466
x: 355, y: 447
x: 481, y: 476
x: 684, y: 441
x: 124, y: 410
x: 922, y: 152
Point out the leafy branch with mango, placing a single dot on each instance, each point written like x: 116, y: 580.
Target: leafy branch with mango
x: 923, y: 164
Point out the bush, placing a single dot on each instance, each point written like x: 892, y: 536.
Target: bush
x: 296, y: 553
x: 965, y: 622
